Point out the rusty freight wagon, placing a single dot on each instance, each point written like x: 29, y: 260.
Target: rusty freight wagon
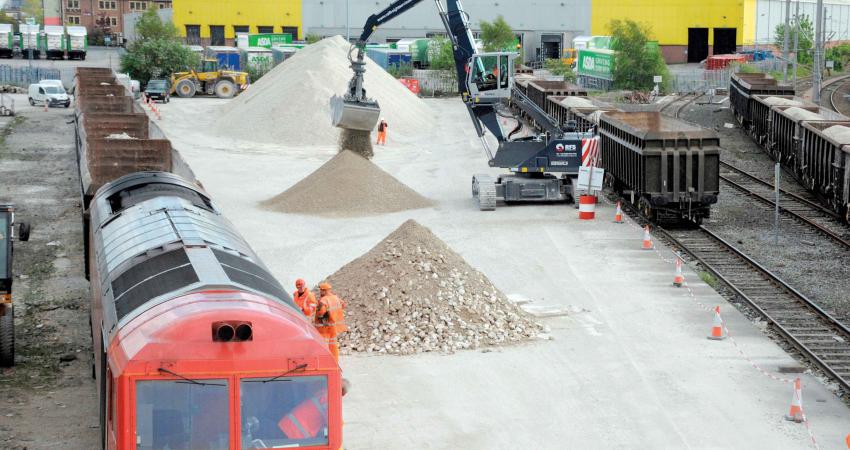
x: 744, y: 86
x: 785, y: 123
x: 670, y: 169
x: 582, y: 110
x: 824, y: 162
x: 760, y: 114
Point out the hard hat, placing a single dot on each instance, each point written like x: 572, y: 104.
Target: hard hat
x: 325, y: 286
x: 300, y: 283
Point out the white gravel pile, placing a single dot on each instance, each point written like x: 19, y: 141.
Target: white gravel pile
x: 411, y: 293
x: 577, y: 102
x: 779, y: 101
x: 838, y: 133
x: 290, y: 105
x: 121, y: 136
x: 802, y: 114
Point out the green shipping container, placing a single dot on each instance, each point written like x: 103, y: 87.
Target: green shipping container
x: 419, y: 51
x: 596, y: 63
x: 268, y: 40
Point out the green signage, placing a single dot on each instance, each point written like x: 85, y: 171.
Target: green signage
x: 268, y: 40
x: 596, y: 63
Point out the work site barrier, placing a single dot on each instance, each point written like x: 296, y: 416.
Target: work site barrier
x: 436, y: 83
x: 24, y: 76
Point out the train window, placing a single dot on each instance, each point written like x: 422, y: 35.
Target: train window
x: 173, y: 415
x: 284, y: 412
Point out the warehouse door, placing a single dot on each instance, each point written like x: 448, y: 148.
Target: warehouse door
x: 550, y: 46
x: 216, y: 35
x: 293, y: 31
x: 193, y: 34
x: 697, y: 44
x: 724, y: 41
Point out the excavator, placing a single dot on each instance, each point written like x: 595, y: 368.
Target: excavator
x: 543, y: 167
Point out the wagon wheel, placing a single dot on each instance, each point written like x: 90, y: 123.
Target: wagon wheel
x: 7, y: 338
x: 646, y: 209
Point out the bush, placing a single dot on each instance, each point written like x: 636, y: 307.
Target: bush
x: 497, y: 36
x: 559, y: 68
x: 400, y: 70
x: 636, y: 64
x: 840, y: 55
x: 312, y: 38
x: 805, y: 43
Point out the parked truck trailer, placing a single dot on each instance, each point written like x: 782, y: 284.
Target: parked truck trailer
x: 53, y: 43
x: 7, y: 40
x: 77, y: 43
x: 29, y: 41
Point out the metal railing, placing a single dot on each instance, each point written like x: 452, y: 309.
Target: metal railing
x: 436, y: 83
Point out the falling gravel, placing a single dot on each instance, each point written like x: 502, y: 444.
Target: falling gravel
x: 357, y: 141
x: 347, y: 186
x: 411, y: 293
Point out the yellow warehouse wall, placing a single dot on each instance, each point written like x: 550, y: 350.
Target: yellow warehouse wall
x: 670, y: 19
x: 749, y: 21
x: 253, y: 13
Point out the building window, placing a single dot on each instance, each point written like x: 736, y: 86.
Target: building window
x: 113, y: 21
x: 241, y: 29
x: 193, y: 34
x: 107, y: 4
x: 293, y: 31
x: 162, y: 6
x: 73, y: 4
x: 72, y: 20
x: 216, y: 34
x: 138, y: 6
x: 264, y: 29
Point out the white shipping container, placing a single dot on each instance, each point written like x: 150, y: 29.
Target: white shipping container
x: 4, y: 39
x: 54, y: 42
x: 29, y: 36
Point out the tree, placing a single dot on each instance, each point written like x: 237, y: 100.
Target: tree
x: 157, y: 52
x: 150, y: 26
x: 635, y: 63
x: 441, y: 54
x: 805, y: 40
x: 559, y: 68
x: 497, y: 36
x: 32, y: 8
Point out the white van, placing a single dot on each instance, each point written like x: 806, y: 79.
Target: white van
x: 50, y: 93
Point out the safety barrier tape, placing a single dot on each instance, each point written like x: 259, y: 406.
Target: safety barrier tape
x: 632, y: 224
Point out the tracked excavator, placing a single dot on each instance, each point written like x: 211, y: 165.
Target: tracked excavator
x: 543, y: 167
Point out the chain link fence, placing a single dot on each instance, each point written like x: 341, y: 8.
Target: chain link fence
x: 703, y: 80
x: 24, y: 76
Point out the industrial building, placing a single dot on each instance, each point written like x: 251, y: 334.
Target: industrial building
x: 217, y: 23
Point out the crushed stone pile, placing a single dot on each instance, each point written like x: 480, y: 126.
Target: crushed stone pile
x: 802, y: 114
x: 411, y: 293
x: 838, y: 133
x: 779, y: 101
x: 348, y: 185
x: 577, y: 102
x: 122, y: 136
x: 290, y: 105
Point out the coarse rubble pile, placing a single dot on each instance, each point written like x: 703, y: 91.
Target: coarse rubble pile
x: 411, y: 293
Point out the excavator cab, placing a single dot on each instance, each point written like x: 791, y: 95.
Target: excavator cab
x: 491, y: 76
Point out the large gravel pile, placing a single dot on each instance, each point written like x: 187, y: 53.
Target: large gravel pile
x: 347, y: 185
x: 291, y: 104
x: 411, y: 293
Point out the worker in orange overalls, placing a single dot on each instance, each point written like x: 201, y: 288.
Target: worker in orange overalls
x: 304, y: 298
x: 382, y: 132
x: 308, y: 419
x: 330, y: 318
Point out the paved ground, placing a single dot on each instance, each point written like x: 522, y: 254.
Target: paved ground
x: 629, y: 364
x: 48, y: 399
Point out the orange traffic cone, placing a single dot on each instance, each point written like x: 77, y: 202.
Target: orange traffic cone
x: 795, y: 414
x: 618, y: 216
x: 847, y: 440
x: 679, y: 279
x: 718, y: 333
x: 647, y: 239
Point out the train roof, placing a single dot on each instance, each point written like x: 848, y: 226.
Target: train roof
x: 654, y: 125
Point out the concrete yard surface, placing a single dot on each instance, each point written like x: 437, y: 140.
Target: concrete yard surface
x: 628, y: 364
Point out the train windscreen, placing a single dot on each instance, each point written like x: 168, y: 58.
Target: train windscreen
x: 284, y: 412
x: 176, y: 415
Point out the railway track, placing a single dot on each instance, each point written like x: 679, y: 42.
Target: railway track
x: 819, y: 337
x: 675, y: 107
x: 834, y: 92
x: 805, y: 210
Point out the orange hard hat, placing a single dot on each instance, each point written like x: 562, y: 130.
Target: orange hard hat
x: 325, y: 286
x: 300, y: 283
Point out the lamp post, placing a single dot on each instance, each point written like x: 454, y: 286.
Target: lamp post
x: 347, y: 25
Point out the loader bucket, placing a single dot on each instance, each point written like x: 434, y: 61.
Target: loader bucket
x: 354, y: 115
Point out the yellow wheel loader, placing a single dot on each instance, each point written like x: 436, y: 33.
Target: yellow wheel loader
x: 210, y: 81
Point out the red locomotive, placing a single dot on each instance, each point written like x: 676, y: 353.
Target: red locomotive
x: 197, y: 346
